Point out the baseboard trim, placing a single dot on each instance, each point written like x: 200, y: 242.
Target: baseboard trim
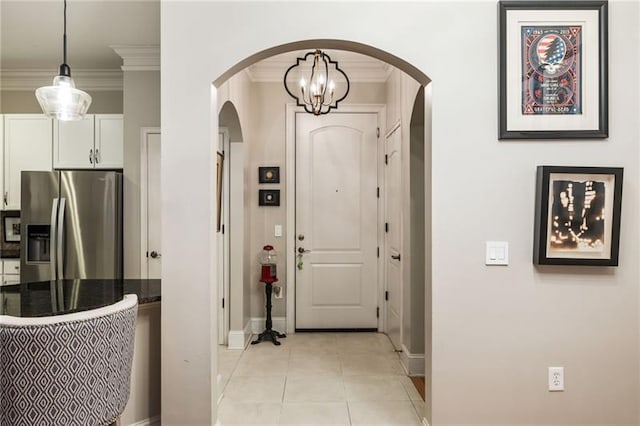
x: 151, y: 421
x: 413, y: 364
x: 279, y: 324
x: 239, y: 339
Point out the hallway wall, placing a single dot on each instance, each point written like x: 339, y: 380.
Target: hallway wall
x: 268, y: 149
x: 495, y: 329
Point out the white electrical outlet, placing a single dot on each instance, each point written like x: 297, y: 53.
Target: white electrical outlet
x: 277, y: 291
x: 556, y: 379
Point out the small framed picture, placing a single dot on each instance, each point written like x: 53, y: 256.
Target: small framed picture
x: 10, y: 229
x: 219, y: 177
x: 11, y: 226
x: 553, y: 70
x: 577, y: 216
x: 269, y: 174
x: 269, y: 197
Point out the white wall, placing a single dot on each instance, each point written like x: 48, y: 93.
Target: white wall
x: 141, y: 109
x: 25, y: 102
x: 144, y: 398
x: 495, y: 330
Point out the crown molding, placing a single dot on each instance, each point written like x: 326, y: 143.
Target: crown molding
x: 31, y: 79
x: 138, y: 57
x: 359, y: 71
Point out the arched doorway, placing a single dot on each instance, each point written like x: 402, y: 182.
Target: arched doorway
x: 174, y: 364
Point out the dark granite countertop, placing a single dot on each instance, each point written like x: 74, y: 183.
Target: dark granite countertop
x: 46, y: 298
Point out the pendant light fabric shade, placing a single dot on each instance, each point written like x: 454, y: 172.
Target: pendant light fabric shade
x: 62, y: 100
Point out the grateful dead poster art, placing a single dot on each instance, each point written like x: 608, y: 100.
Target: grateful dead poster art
x: 551, y: 70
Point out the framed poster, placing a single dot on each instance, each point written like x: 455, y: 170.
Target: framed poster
x: 577, y: 216
x: 553, y: 70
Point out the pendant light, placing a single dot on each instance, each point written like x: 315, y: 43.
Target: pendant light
x: 317, y: 94
x: 62, y: 100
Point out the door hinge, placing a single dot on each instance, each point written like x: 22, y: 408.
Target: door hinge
x: 223, y: 303
x: 386, y: 295
x: 386, y: 159
x: 222, y: 228
x: 377, y: 132
x: 386, y: 227
x: 147, y: 254
x: 378, y: 192
x: 378, y: 251
x: 378, y: 312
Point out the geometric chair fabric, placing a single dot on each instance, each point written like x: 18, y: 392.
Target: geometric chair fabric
x: 67, y: 370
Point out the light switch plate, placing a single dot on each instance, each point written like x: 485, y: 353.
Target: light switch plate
x: 497, y: 253
x: 277, y: 231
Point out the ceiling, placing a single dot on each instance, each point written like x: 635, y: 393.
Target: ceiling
x: 31, y: 32
x: 31, y: 39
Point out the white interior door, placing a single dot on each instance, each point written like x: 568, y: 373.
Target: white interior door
x: 336, y: 220
x: 153, y: 243
x: 393, y: 237
x: 223, y: 239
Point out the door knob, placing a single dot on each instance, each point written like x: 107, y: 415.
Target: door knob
x: 154, y: 254
x: 396, y: 257
x: 301, y: 250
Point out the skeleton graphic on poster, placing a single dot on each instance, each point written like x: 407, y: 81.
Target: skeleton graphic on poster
x: 551, y: 70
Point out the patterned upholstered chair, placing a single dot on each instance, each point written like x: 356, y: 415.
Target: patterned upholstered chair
x: 66, y: 370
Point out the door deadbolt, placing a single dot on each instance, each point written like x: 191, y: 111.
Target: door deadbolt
x: 300, y: 237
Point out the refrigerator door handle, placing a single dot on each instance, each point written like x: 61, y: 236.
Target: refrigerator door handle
x: 52, y: 239
x: 60, y: 238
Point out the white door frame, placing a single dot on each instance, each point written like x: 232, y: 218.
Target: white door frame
x: 290, y: 167
x: 144, y: 134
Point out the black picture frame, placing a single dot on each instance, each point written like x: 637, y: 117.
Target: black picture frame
x: 219, y: 178
x: 10, y: 241
x: 269, y: 197
x: 269, y: 174
x: 577, y: 215
x: 564, y: 105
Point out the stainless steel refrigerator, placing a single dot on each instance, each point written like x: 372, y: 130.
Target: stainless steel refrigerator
x: 71, y: 225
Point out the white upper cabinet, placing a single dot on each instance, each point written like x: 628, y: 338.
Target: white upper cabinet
x: 73, y: 144
x: 27, y: 146
x: 109, y: 141
x: 93, y: 142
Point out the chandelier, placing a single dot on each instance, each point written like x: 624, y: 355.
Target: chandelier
x: 316, y: 93
x: 62, y: 100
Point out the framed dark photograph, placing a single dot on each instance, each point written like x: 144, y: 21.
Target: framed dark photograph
x: 11, y: 226
x: 269, y: 197
x: 10, y: 229
x: 269, y: 174
x: 577, y: 216
x: 219, y: 177
x: 553, y: 70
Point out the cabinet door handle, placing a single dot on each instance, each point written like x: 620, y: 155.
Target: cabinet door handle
x: 97, y: 157
x: 5, y: 198
x: 91, y: 156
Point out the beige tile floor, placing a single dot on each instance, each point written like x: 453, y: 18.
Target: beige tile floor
x: 317, y: 379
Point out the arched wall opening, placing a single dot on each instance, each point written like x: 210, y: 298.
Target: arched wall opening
x: 228, y: 89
